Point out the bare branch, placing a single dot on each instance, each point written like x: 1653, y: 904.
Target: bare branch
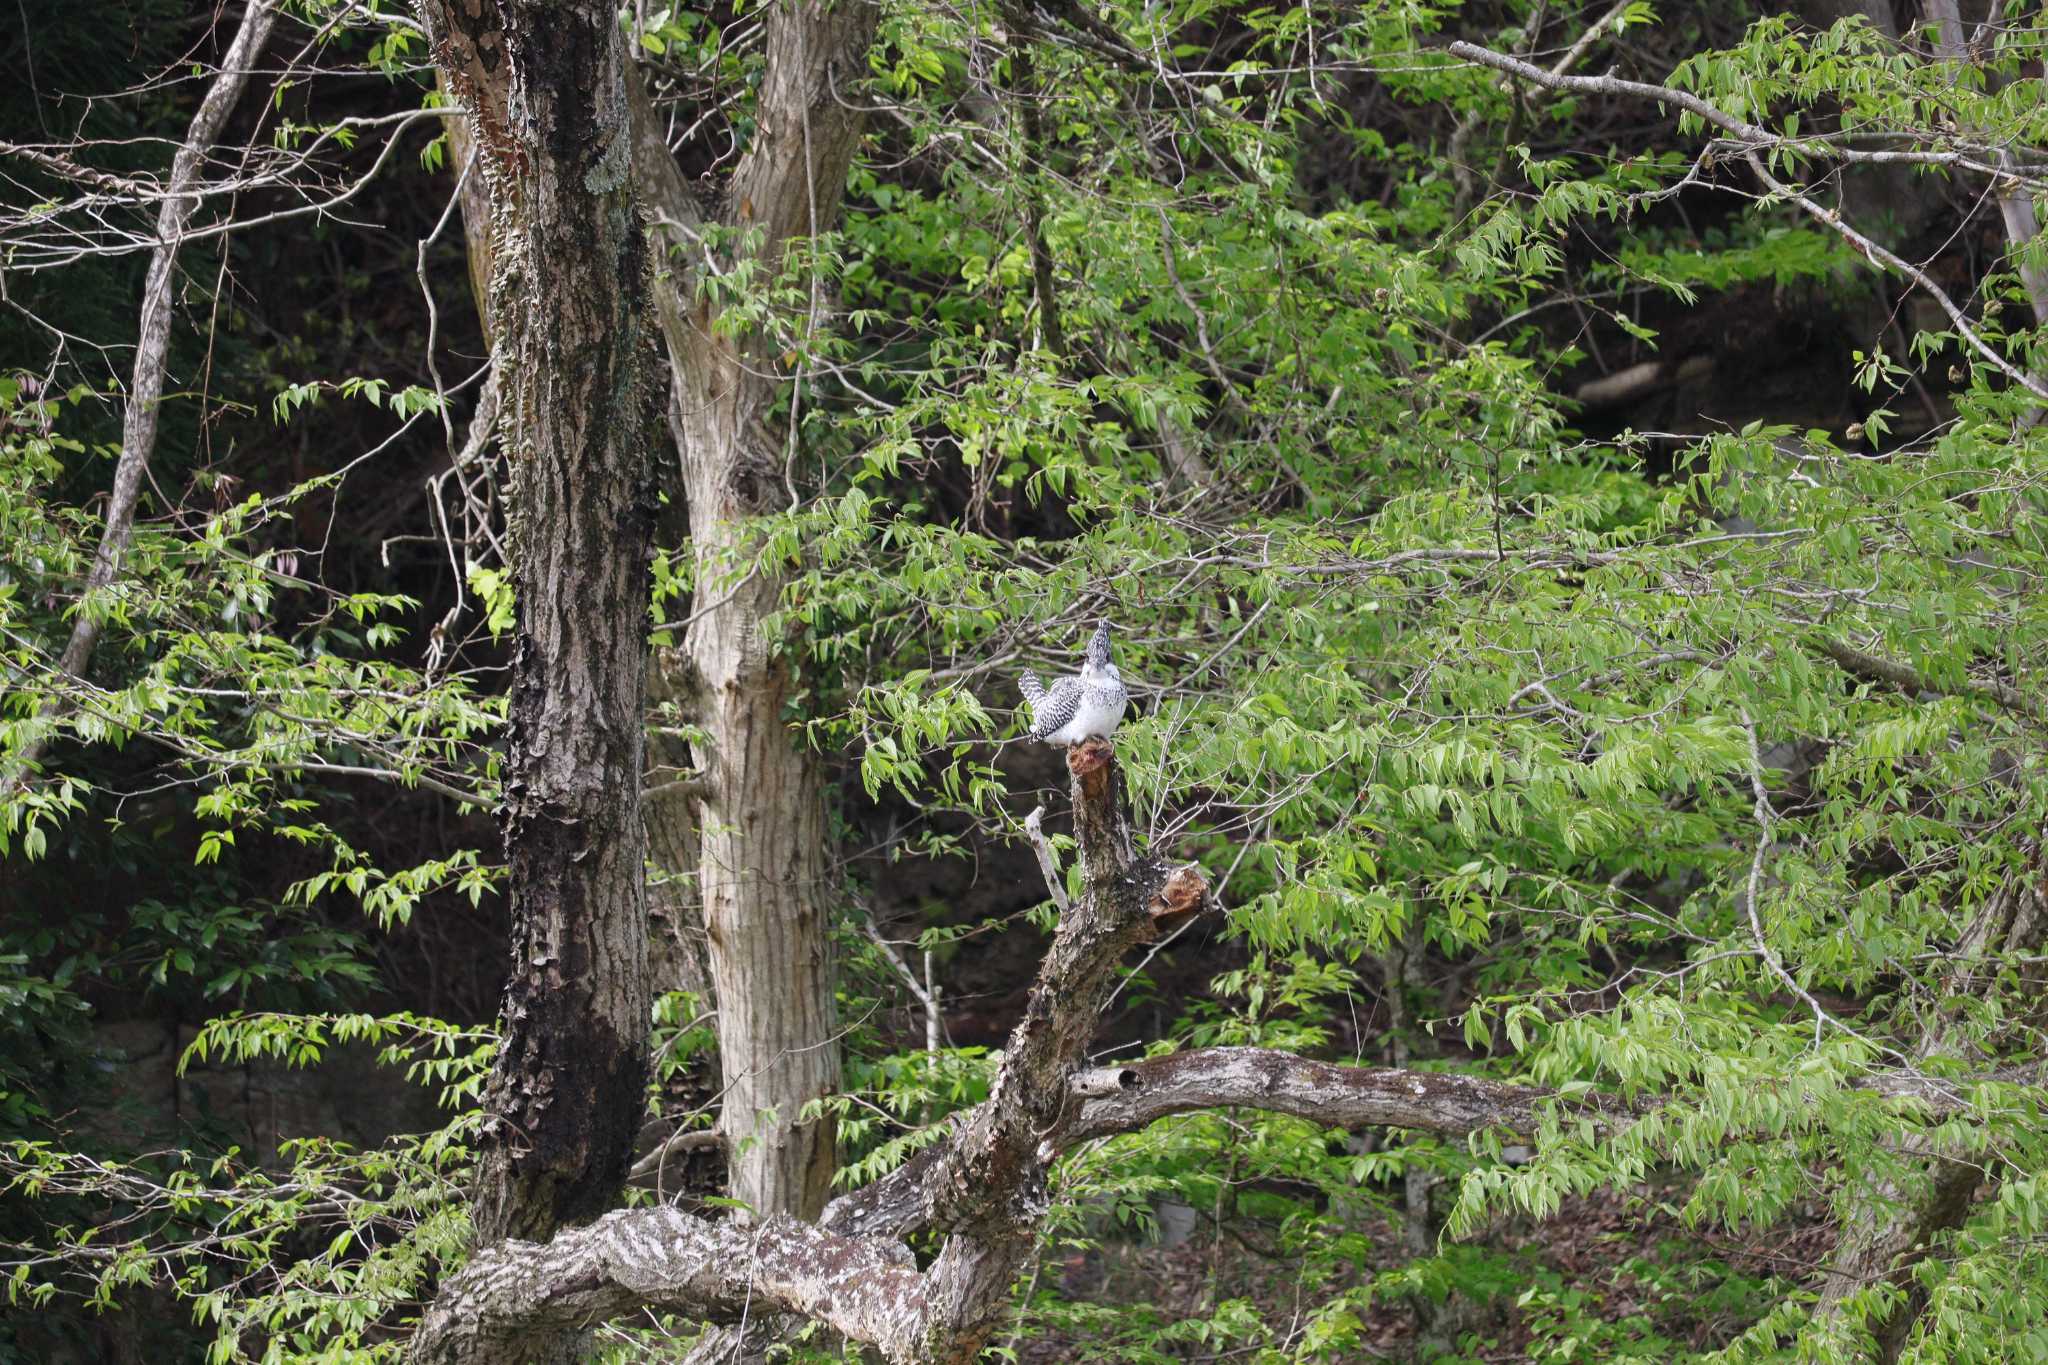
x: 665, y: 1258
x: 1613, y: 85
x: 1753, y: 139
x: 682, y: 789
x: 1125, y: 1098
x: 1766, y: 823
x: 68, y: 169
x: 925, y: 993
x: 152, y: 349
x: 1047, y: 863
x: 1461, y: 136
x: 676, y: 1144
x: 1909, y: 679
x: 1834, y: 222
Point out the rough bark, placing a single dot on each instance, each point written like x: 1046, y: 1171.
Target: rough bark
x: 665, y: 1259
x: 568, y: 305
x: 988, y: 1189
x: 985, y: 1189
x: 982, y: 1187
x: 1126, y: 1098
x: 152, y: 353
x: 760, y: 848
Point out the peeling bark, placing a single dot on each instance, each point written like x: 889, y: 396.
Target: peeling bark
x: 665, y: 1259
x: 986, y: 1189
x: 983, y: 1186
x: 1322, y: 1092
x: 568, y: 305
x: 759, y: 841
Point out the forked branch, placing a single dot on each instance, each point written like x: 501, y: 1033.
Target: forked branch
x: 984, y: 1185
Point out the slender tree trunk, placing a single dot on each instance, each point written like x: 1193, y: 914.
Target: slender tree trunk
x: 761, y: 856
x: 545, y: 87
x: 2015, y: 202
x: 139, y: 418
x: 1902, y: 1216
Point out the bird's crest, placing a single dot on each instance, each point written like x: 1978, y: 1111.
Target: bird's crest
x: 1098, y: 646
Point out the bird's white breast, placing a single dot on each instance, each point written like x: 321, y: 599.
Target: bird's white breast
x: 1097, y: 716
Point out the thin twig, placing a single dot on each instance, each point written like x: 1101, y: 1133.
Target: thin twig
x: 1828, y: 218
x: 927, y: 996
x: 152, y: 353
x: 1766, y: 822
x: 1751, y: 139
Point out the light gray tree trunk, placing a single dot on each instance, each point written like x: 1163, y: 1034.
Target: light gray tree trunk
x: 984, y: 1187
x: 759, y: 836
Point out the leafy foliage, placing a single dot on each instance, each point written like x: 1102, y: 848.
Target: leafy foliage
x: 1674, y: 766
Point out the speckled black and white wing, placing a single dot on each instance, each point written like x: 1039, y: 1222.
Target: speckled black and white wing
x: 1052, y: 709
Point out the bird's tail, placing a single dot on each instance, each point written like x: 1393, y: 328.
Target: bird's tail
x: 1032, y: 689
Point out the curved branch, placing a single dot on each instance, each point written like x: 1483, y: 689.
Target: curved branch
x: 665, y: 1258
x: 1877, y: 253
x: 1126, y: 1098
x: 1753, y: 139
x: 1612, y: 85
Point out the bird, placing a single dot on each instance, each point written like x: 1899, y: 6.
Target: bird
x: 1078, y: 708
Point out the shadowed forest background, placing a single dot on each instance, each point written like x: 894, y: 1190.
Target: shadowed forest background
x: 519, y: 531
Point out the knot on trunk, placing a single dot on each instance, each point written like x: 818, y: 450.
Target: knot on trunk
x: 1179, y: 899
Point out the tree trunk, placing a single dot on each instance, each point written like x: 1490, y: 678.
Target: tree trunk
x: 544, y: 84
x: 2015, y: 202
x: 760, y: 855
x: 762, y: 880
x: 1903, y: 1215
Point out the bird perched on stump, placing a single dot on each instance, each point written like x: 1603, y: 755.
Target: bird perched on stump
x: 1079, y: 708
